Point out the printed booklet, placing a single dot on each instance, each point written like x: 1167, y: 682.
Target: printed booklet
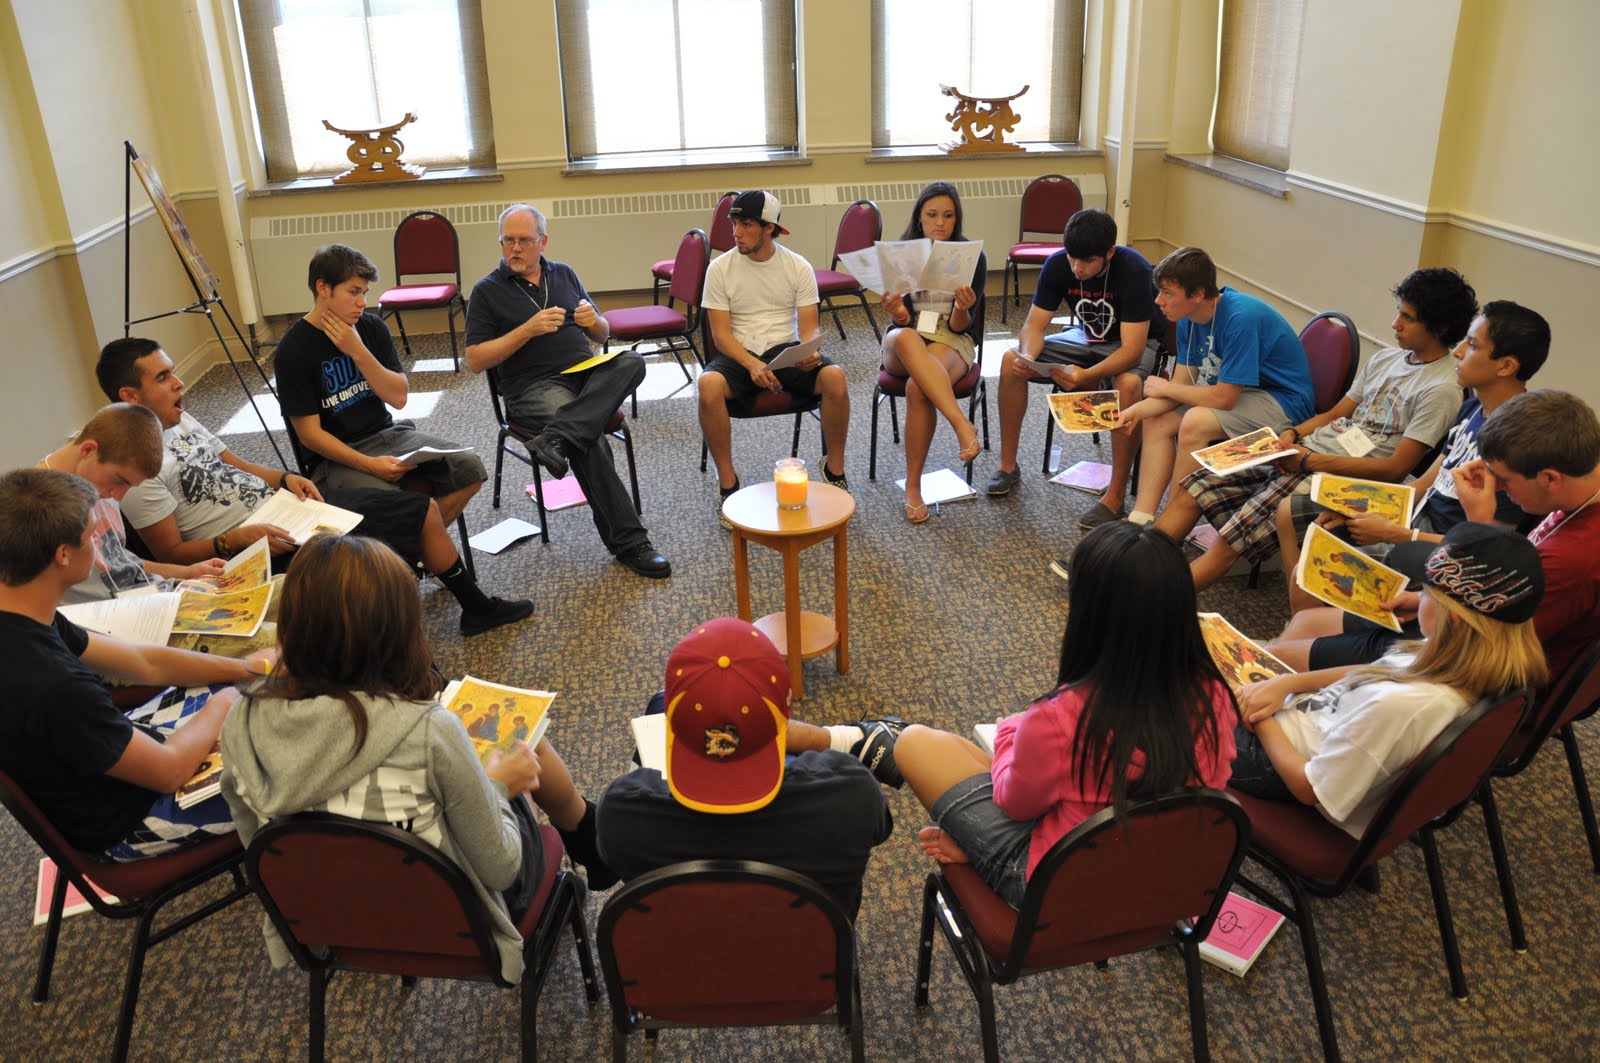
x: 1240, y: 659
x: 1335, y: 572
x: 1242, y: 930
x: 1240, y: 452
x: 1085, y: 411
x: 496, y: 716
x: 1363, y: 498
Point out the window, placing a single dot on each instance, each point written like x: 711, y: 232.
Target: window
x: 983, y: 49
x: 364, y: 63
x: 1258, y: 64
x: 673, y: 76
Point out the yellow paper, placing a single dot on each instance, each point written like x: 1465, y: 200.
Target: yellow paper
x: 1085, y: 411
x: 239, y: 613
x: 590, y: 363
x: 496, y: 716
x: 1335, y: 572
x: 1363, y: 498
x: 1239, y: 659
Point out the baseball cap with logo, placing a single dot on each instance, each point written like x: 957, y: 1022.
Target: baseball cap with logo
x: 1488, y: 568
x: 759, y: 206
x: 727, y: 718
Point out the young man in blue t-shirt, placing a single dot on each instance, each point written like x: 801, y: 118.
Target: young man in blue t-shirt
x: 1108, y: 289
x: 1240, y: 367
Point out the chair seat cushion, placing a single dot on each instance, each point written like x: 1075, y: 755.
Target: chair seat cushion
x: 891, y: 383
x: 993, y: 919
x: 1032, y: 251
x: 137, y: 879
x: 663, y: 269
x: 1298, y: 836
x: 831, y: 282
x: 894, y: 384
x: 417, y: 296
x: 637, y: 322
x: 773, y: 403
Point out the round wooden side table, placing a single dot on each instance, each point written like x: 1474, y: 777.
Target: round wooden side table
x: 756, y: 518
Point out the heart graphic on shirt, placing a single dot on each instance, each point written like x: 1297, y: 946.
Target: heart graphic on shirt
x: 1097, y: 316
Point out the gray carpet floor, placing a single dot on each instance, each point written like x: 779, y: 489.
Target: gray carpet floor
x: 953, y: 622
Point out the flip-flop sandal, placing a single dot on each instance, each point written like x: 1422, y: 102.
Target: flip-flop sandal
x: 917, y: 514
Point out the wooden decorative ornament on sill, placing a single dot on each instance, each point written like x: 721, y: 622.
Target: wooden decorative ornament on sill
x: 375, y: 154
x: 972, y: 113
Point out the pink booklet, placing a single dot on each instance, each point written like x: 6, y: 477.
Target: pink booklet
x: 561, y: 494
x: 1241, y: 931
x: 47, y: 884
x: 1090, y: 476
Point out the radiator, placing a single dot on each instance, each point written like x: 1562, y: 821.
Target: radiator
x: 613, y: 240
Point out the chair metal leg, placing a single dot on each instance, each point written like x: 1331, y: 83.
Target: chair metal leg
x: 703, y: 452
x: 538, y: 502
x: 450, y: 320
x: 130, y: 989
x: 1502, y: 867
x: 834, y: 310
x: 52, y: 932
x: 405, y: 341
x: 317, y: 1007
x: 872, y: 453
x: 894, y: 421
x: 466, y: 547
x: 1580, y: 787
x: 1049, y: 438
x: 925, y: 943
x: 858, y: 1022
x: 794, y: 447
x: 1299, y: 912
x: 1441, y: 912
x: 499, y: 468
x: 1195, y: 978
x: 633, y: 473
x: 619, y: 1045
x: 1255, y: 575
x: 1005, y: 290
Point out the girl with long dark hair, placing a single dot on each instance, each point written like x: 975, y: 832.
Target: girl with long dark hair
x: 1138, y: 709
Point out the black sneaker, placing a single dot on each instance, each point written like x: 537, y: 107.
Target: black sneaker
x: 1002, y: 482
x: 876, y: 750
x: 1059, y: 567
x: 549, y: 450
x: 499, y: 612
x: 838, y: 480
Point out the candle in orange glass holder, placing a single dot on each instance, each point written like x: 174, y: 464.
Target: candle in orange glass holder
x: 789, y: 475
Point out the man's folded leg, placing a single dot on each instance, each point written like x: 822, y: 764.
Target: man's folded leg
x: 614, y: 516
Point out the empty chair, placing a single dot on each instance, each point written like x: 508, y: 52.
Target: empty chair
x: 861, y: 227
x: 425, y: 243
x: 721, y: 237
x: 633, y: 325
x: 1047, y: 203
x: 789, y: 955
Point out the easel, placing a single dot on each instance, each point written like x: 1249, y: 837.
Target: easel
x: 204, y: 282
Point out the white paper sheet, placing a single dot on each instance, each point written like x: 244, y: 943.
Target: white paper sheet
x: 650, y: 735
x: 901, y: 266
x: 422, y: 454
x: 796, y: 354
x: 942, y: 486
x: 495, y: 539
x: 302, y: 517
x: 145, y: 619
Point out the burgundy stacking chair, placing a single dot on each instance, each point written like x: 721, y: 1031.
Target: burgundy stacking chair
x: 510, y: 431
x: 860, y: 228
x: 1047, y: 203
x: 1109, y: 888
x: 1310, y: 856
x: 1573, y: 695
x: 727, y: 943
x: 425, y: 243
x: 349, y: 895
x: 142, y: 888
x: 768, y: 403
x: 633, y: 325
x: 721, y: 240
x: 1333, y: 350
x: 972, y: 386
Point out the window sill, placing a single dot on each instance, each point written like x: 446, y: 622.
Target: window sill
x: 1260, y: 178
x: 461, y: 175
x: 673, y: 161
x: 925, y: 152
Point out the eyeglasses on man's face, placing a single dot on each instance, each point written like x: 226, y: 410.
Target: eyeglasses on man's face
x: 519, y: 241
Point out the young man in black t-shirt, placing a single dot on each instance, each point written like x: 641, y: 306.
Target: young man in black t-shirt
x: 1108, y: 289
x: 103, y: 782
x: 338, y: 374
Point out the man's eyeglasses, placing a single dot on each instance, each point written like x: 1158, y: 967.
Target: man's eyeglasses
x: 519, y: 241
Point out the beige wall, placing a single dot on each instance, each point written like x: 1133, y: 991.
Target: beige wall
x: 1440, y: 131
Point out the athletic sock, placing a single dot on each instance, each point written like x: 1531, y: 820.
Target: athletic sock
x: 458, y: 582
x: 1139, y: 516
x: 843, y: 737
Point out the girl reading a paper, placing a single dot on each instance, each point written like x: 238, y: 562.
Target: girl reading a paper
x: 1139, y: 709
x: 935, y: 342
x: 348, y: 723
x: 1341, y: 738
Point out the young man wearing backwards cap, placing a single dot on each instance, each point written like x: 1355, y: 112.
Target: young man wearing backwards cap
x: 761, y: 297
x: 1339, y: 740
x: 743, y: 780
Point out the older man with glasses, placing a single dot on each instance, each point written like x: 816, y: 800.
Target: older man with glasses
x: 533, y: 320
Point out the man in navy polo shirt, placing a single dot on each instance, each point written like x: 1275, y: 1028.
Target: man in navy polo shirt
x: 531, y: 319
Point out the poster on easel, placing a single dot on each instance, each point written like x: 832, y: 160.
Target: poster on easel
x: 208, y: 282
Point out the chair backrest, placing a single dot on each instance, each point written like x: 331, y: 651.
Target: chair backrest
x: 1443, y: 777
x: 859, y: 228
x: 1333, y: 348
x: 69, y: 861
x: 725, y: 943
x: 1111, y: 887
x: 302, y: 454
x: 1572, y: 694
x: 425, y: 242
x: 1047, y: 204
x: 367, y: 895
x: 721, y: 234
x: 689, y: 269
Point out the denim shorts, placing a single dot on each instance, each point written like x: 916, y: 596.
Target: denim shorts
x: 996, y: 844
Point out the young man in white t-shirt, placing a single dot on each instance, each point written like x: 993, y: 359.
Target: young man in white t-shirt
x: 760, y: 298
